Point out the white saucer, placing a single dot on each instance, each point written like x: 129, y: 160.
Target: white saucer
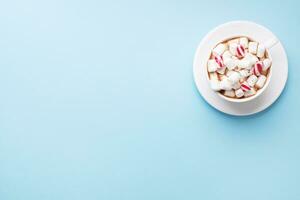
x: 279, y: 68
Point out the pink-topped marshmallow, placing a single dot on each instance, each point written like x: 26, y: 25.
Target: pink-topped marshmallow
x: 219, y: 60
x: 258, y: 67
x: 240, y: 51
x: 245, y: 86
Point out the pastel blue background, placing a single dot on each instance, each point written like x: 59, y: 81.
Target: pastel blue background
x: 97, y: 101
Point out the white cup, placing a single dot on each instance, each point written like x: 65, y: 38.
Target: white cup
x: 268, y: 45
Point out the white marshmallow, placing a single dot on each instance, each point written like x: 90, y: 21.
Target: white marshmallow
x: 232, y: 48
x: 236, y: 86
x: 250, y: 92
x: 252, y: 80
x: 261, y: 81
x: 214, y: 76
x: 253, y: 47
x: 253, y: 59
x: 226, y: 54
x: 230, y: 63
x: 260, y: 51
x: 244, y: 73
x: 267, y: 63
x: 214, y: 81
x: 225, y: 84
x: 212, y: 65
x: 219, y: 49
x: 244, y: 64
x: 239, y: 93
x: 215, y: 85
x: 244, y: 42
x: 221, y: 70
x: 229, y: 72
x: 236, y: 60
x: 234, y: 77
x: 229, y: 93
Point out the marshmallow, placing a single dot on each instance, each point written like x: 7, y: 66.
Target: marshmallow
x: 229, y: 72
x: 221, y: 70
x: 226, y: 54
x: 244, y: 64
x: 257, y: 69
x: 236, y: 86
x: 240, y: 51
x: 252, y: 58
x: 212, y: 65
x: 219, y: 60
x: 215, y: 85
x: 250, y: 92
x: 236, y: 60
x: 214, y: 81
x: 233, y: 48
x: 225, y: 84
x: 239, y: 93
x: 267, y: 63
x: 252, y: 80
x: 244, y: 42
x: 213, y: 76
x: 261, y: 81
x: 230, y: 63
x: 229, y: 93
x: 260, y: 51
x: 244, y: 73
x: 253, y: 47
x: 245, y: 86
x: 234, y: 77
x: 219, y: 49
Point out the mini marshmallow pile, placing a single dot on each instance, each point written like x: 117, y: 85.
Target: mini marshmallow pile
x: 238, y: 68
